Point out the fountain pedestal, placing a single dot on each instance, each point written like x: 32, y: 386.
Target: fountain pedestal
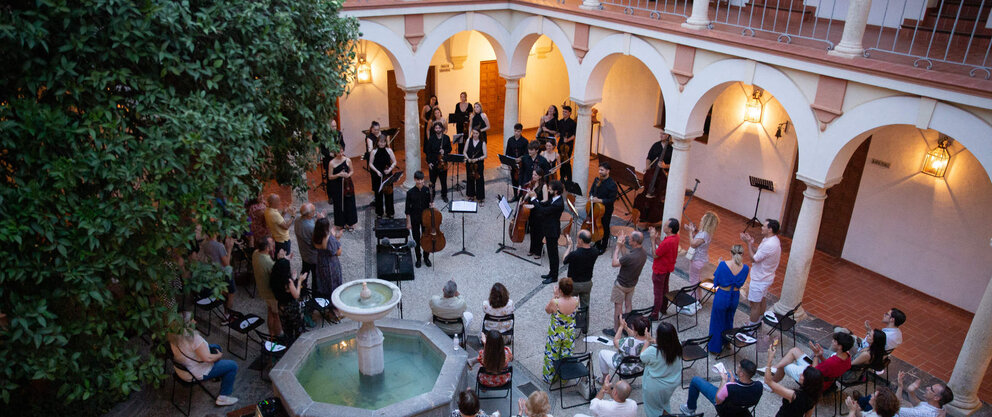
x: 370, y: 359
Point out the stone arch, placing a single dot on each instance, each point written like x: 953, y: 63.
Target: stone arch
x: 522, y: 40
x: 845, y: 134
x: 395, y: 47
x: 490, y: 28
x: 598, y: 62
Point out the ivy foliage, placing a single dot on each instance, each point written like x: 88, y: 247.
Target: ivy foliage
x: 120, y: 122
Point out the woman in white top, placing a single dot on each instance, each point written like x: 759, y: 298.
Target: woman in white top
x: 203, y: 361
x: 551, y: 154
x: 498, y: 304
x: 700, y: 239
x: 640, y: 327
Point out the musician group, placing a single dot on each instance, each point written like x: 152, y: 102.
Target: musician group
x: 540, y: 177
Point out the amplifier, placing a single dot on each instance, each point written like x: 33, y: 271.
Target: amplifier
x: 394, y: 263
x: 391, y: 228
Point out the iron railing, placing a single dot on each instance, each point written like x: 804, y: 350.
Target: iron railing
x: 654, y: 9
x: 787, y: 20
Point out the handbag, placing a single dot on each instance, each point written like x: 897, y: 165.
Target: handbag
x: 690, y: 253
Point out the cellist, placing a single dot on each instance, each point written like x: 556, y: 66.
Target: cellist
x: 604, y: 190
x: 418, y: 199
x: 438, y: 145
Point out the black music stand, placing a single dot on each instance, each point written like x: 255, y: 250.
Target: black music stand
x: 463, y: 207
x: 760, y: 184
x: 511, y: 164
x: 457, y: 159
x: 390, y: 180
x: 505, y: 211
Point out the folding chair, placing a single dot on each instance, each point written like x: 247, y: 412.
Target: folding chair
x: 784, y: 323
x: 730, y: 336
x: 212, y: 306
x: 321, y: 303
x: 569, y: 368
x: 194, y: 381
x: 692, y: 351
x: 270, y: 348
x: 508, y: 386
x: 494, y: 322
x: 643, y: 312
x: 582, y: 326
x: 857, y: 375
x: 243, y: 324
x: 451, y: 322
x: 681, y: 298
x: 634, y: 361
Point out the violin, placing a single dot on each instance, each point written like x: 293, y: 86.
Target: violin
x: 432, y: 239
x: 594, y: 218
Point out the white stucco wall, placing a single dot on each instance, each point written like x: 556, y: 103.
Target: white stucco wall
x: 545, y: 83
x: 366, y: 102
x: 628, y: 112
x: 930, y: 234
x: 451, y: 83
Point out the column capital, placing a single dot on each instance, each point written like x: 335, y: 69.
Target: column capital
x: 514, y: 77
x: 682, y: 144
x: 690, y: 136
x: 811, y: 182
x: 586, y: 103
x: 815, y: 193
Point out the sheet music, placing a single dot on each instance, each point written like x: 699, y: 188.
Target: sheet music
x: 462, y: 206
x: 504, y: 207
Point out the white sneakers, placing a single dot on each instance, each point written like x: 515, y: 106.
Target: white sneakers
x: 223, y: 400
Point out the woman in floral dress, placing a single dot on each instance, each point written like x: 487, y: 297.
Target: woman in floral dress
x: 561, y: 331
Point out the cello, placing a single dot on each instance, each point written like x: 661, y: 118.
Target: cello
x: 594, y: 218
x: 651, y: 203
x: 432, y: 239
x: 518, y: 228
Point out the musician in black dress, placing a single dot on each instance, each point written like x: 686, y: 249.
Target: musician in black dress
x: 548, y: 216
x: 371, y: 138
x: 438, y: 145
x: 516, y: 148
x: 480, y: 122
x: 382, y: 166
x: 343, y: 197
x: 426, y: 116
x: 462, y: 114
x: 549, y: 125
x: 475, y: 156
x: 533, y: 160
x: 539, y: 185
x: 566, y: 146
x: 325, y: 151
x: 604, y: 190
x: 418, y: 199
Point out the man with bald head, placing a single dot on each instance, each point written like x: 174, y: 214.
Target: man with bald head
x: 304, y: 237
x: 630, y: 265
x: 278, y: 224
x: 581, y: 259
x: 619, y: 405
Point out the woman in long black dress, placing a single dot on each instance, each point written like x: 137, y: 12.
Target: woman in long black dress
x: 480, y: 122
x: 463, y: 112
x: 540, y: 186
x: 549, y: 124
x: 345, y: 212
x: 475, y: 157
x: 426, y: 116
x: 383, y: 164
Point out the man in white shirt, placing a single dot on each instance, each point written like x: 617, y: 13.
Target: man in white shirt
x: 764, y: 264
x: 892, y: 319
x: 451, y: 306
x: 935, y: 397
x: 618, y: 406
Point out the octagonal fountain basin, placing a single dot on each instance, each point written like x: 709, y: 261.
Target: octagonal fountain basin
x: 319, y: 375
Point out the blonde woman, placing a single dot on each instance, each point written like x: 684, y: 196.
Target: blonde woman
x: 536, y: 405
x: 480, y: 121
x: 699, y: 239
x: 203, y: 361
x: 728, y: 280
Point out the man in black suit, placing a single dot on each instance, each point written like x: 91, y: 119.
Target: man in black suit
x: 547, y: 216
x: 604, y: 190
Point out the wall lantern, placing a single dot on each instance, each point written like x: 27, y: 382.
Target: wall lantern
x: 782, y: 128
x: 752, y: 112
x: 364, y: 70
x: 935, y: 162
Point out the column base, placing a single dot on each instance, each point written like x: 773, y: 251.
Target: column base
x: 956, y: 409
x: 694, y: 25
x: 845, y: 51
x: 779, y: 308
x: 591, y: 5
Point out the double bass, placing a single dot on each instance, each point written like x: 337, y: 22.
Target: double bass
x: 651, y: 203
x: 432, y: 239
x: 594, y: 218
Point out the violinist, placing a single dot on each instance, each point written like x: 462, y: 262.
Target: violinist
x: 549, y: 124
x: 475, y: 156
x: 566, y: 145
x: 439, y: 117
x: 426, y: 117
x: 548, y: 218
x: 604, y: 190
x: 539, y: 185
x: 480, y: 122
x: 418, y: 199
x: 532, y: 161
x: 662, y: 148
x: 382, y: 164
x: 438, y: 145
x: 550, y: 154
x: 371, y: 138
x: 463, y: 113
x: 516, y: 148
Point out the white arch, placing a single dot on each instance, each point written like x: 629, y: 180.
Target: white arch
x: 597, y: 63
x: 522, y: 40
x: 707, y: 84
x: 492, y: 29
x: 839, y: 141
x: 396, y: 48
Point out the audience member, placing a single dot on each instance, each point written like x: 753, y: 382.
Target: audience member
x: 662, y: 358
x: 764, y: 263
x: 498, y: 304
x: 631, y: 264
x: 220, y: 254
x: 278, y: 224
x: 494, y: 357
x: 581, y: 259
x: 286, y: 288
x: 619, y: 405
x: 892, y: 319
x: 735, y: 395
x: 328, y: 268
x: 796, y: 403
x: 203, y: 361
x: 609, y: 360
x: 536, y: 405
x: 261, y: 265
x: 935, y: 397
x: 699, y: 244
x: 451, y: 306
x: 874, y: 355
x: 304, y: 238
x: 883, y: 403
x: 831, y: 366
x: 256, y: 219
x: 561, y: 330
x: 727, y: 280
x: 666, y: 250
x: 468, y: 405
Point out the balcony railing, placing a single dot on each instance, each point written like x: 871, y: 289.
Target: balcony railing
x: 787, y: 20
x: 654, y: 8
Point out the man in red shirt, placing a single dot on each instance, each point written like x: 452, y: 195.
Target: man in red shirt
x: 664, y: 262
x: 832, y: 367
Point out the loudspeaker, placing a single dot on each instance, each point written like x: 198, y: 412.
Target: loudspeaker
x: 394, y: 263
x: 391, y: 228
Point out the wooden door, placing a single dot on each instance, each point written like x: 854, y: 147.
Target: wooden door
x: 396, y: 109
x: 492, y: 94
x: 424, y: 97
x: 837, y: 208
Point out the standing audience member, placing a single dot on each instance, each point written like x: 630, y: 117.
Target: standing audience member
x: 795, y: 361
x: 666, y: 250
x: 581, y: 259
x: 764, y: 264
x: 278, y: 224
x: 630, y: 264
x: 203, y: 361
x: 451, y: 306
x: 220, y: 254
x: 609, y: 360
x: 699, y: 241
x: 935, y: 397
x: 561, y: 330
x: 883, y: 404
x: 303, y: 227
x: 796, y: 403
x: 328, y: 269
x: 256, y: 219
x: 494, y: 357
x: 498, y: 304
x: 662, y: 358
x: 733, y: 398
x: 619, y: 405
x: 536, y: 405
x: 286, y: 288
x: 468, y: 405
x: 728, y: 280
x: 261, y: 264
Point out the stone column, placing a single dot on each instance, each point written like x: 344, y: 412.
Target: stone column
x: 583, y: 136
x: 411, y: 135
x: 973, y: 360
x: 510, y: 112
x: 700, y: 17
x: 678, y: 173
x: 803, y: 247
x: 590, y: 5
x: 851, y: 44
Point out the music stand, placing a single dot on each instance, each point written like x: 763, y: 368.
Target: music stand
x: 457, y: 159
x: 506, y: 211
x: 390, y: 180
x: 463, y: 207
x: 511, y: 164
x: 760, y: 184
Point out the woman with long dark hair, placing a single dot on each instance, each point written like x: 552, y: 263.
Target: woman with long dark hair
x: 662, y: 358
x: 799, y: 402
x: 341, y: 191
x: 327, y: 276
x: 494, y: 357
x: 874, y: 356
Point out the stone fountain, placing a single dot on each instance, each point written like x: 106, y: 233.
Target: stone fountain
x: 365, y: 305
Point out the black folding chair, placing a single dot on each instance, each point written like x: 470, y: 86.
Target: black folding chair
x: 784, y: 323
x: 730, y: 336
x: 271, y: 348
x: 681, y: 298
x: 508, y: 386
x: 193, y: 382
x: 451, y: 322
x: 582, y: 326
x: 573, y: 368
x: 883, y: 372
x: 692, y: 351
x: 495, y: 322
x: 244, y: 324
x: 855, y: 376
x: 321, y: 303
x: 630, y: 362
x: 212, y: 306
x: 642, y: 312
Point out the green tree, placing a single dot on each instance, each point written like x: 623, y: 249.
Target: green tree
x: 120, y: 121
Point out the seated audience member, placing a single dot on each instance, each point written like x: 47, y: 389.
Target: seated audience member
x: 618, y: 406
x: 286, y: 288
x: 536, y: 405
x: 734, y: 397
x: 892, y: 319
x: 468, y: 405
x: 831, y: 366
x: 883, y: 404
x: 498, y: 304
x: 261, y: 263
x: 935, y: 397
x: 190, y: 350
x: 796, y: 403
x: 626, y: 346
x: 874, y: 355
x: 450, y: 306
x: 494, y: 357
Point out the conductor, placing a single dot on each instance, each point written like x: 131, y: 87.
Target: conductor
x: 547, y: 216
